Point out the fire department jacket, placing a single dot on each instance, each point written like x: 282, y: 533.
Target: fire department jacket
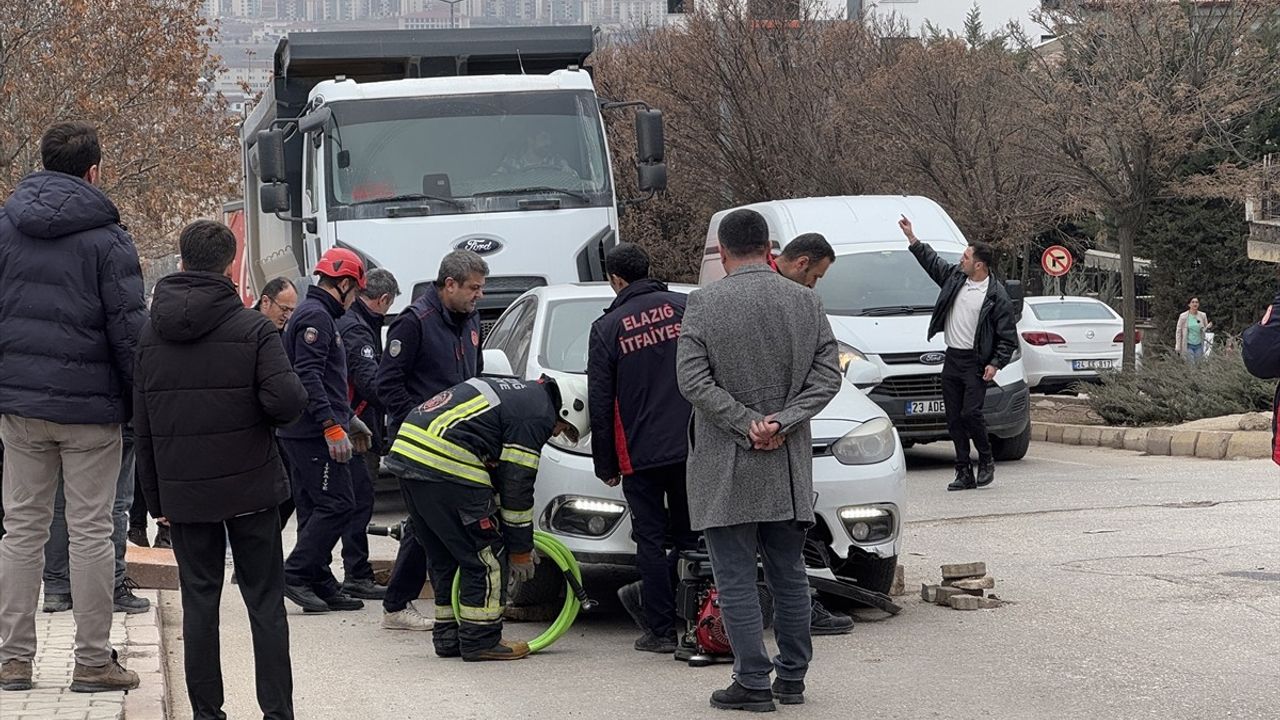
x: 428, y: 349
x: 639, y: 419
x: 314, y: 346
x: 485, y: 432
x: 361, y: 330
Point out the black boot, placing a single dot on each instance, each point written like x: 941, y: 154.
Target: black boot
x: 736, y: 697
x: 825, y: 622
x: 162, y: 537
x: 964, y: 479
x: 306, y: 598
x: 789, y: 692
x: 138, y: 536
x: 986, y: 471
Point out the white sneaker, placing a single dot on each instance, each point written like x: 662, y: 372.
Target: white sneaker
x: 407, y: 619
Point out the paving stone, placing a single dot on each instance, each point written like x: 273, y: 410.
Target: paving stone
x: 1053, y: 433
x: 945, y: 593
x: 152, y: 567
x: 899, y: 586
x: 1183, y: 443
x: 929, y: 593
x: 971, y: 602
x: 1090, y: 436
x: 1159, y: 441
x: 144, y: 635
x: 1110, y: 437
x: 1071, y: 434
x: 1039, y: 432
x: 982, y: 583
x: 1213, y: 445
x: 1252, y: 445
x: 1135, y: 439
x: 958, y: 571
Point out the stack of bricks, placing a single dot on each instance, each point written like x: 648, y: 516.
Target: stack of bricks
x: 963, y: 587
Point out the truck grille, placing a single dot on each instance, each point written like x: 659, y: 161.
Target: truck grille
x: 922, y: 424
x: 911, y: 386
x: 908, y: 358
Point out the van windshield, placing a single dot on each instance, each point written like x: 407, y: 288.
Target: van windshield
x: 889, y: 282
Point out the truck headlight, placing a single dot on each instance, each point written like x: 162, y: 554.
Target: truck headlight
x: 867, y: 523
x: 848, y: 354
x: 869, y: 443
x: 584, y: 516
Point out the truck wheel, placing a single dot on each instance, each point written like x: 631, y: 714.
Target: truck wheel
x: 871, y: 572
x: 1014, y: 448
x: 546, y: 587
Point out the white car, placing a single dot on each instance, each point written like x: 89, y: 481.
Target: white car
x: 1069, y: 340
x: 858, y: 467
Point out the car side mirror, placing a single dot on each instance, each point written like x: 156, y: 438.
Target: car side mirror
x: 864, y: 374
x: 496, y: 363
x: 1016, y: 296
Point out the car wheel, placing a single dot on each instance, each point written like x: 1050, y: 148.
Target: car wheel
x: 1014, y: 448
x: 871, y: 572
x: 546, y: 587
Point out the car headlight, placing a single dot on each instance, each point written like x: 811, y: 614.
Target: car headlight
x: 867, y: 444
x: 848, y: 354
x: 582, y: 447
x: 583, y: 516
x: 867, y: 523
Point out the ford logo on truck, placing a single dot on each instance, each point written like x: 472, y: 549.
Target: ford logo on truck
x: 933, y: 358
x: 479, y: 245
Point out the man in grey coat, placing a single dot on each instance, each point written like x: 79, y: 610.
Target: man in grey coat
x: 756, y: 360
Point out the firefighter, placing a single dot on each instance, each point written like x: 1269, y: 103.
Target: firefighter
x: 433, y: 345
x: 320, y: 444
x: 458, y: 456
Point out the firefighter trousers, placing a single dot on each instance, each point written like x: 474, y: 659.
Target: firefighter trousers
x: 458, y: 527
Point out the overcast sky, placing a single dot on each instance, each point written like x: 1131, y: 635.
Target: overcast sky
x: 950, y: 14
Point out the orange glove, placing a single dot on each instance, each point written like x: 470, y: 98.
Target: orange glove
x: 340, y: 447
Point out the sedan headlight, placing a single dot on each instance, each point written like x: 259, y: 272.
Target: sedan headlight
x: 867, y: 523
x: 867, y: 444
x: 848, y: 354
x: 584, y: 516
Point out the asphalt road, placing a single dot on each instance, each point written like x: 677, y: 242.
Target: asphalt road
x: 1138, y: 586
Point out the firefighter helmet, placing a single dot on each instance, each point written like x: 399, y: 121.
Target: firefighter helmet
x: 339, y: 263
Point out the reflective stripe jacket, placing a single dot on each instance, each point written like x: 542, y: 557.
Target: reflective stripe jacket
x: 485, y: 431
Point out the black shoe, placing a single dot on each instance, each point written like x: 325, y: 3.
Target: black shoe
x: 162, y: 538
x: 736, y: 697
x: 127, y: 602
x: 629, y: 596
x: 789, y: 692
x: 986, y: 472
x: 504, y: 650
x: 306, y: 598
x: 138, y: 536
x: 825, y: 622
x: 343, y: 601
x: 57, y: 602
x: 964, y: 479
x: 661, y: 644
x: 366, y: 589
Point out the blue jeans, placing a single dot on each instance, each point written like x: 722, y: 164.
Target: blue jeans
x: 57, y: 555
x: 1195, y: 352
x: 780, y: 546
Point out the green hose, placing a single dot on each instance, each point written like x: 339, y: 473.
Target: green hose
x: 574, y: 597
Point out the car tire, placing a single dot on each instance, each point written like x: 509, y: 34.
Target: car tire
x: 1014, y: 448
x: 546, y: 587
x: 870, y: 572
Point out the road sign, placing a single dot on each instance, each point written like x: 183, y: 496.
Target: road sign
x: 1057, y: 260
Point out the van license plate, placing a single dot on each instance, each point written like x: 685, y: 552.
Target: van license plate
x: 1092, y: 364
x: 926, y: 407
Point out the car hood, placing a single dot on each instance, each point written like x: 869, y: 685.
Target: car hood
x: 895, y: 334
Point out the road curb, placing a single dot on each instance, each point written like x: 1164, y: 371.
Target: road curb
x: 144, y: 654
x: 1208, y: 444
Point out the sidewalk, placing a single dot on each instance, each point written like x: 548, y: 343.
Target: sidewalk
x: 135, y: 637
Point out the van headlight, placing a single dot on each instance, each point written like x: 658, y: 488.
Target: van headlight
x: 848, y: 354
x: 867, y: 523
x: 584, y: 516
x: 869, y: 443
x: 582, y: 447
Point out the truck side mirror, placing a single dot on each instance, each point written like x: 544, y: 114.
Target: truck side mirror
x: 314, y: 120
x: 1016, y: 296
x: 271, y: 167
x: 274, y: 197
x: 649, y: 136
x: 651, y: 177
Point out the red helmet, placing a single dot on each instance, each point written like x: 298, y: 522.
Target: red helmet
x: 340, y: 263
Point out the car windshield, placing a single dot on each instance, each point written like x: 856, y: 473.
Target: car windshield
x: 568, y: 333
x: 466, y: 153
x: 1071, y: 311
x: 889, y: 282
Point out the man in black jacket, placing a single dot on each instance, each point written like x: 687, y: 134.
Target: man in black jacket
x: 71, y: 306
x: 639, y: 424
x: 361, y: 328
x: 974, y: 312
x: 212, y: 383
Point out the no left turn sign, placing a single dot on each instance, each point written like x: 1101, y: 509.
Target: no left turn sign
x: 1056, y: 261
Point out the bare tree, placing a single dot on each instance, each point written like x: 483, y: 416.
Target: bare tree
x: 138, y: 70
x: 1129, y: 89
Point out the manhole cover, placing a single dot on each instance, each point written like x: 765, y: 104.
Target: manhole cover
x: 1252, y: 575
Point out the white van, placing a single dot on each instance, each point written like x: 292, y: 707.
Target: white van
x: 879, y: 301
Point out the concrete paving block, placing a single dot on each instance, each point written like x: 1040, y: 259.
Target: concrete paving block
x: 1250, y: 445
x: 1071, y: 434
x: 899, y: 586
x: 929, y: 593
x: 151, y: 567
x: 146, y: 702
x: 1039, y: 431
x: 945, y: 594
x: 982, y: 583
x: 1159, y: 441
x: 1053, y: 432
x: 960, y: 571
x: 1183, y: 443
x: 1213, y: 445
x: 1110, y: 437
x: 1135, y: 439
x: 970, y: 602
x: 1090, y: 436
x: 144, y: 635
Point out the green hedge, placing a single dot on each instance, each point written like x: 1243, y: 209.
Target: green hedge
x: 1168, y: 390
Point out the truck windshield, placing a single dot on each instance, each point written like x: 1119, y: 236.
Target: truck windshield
x: 879, y: 283
x: 467, y: 153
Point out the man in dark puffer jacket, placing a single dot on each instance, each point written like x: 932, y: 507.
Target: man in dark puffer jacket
x: 213, y: 381
x: 70, y: 308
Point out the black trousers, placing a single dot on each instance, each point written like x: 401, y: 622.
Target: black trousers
x: 964, y: 392
x: 409, y: 573
x: 286, y: 507
x: 355, y: 541
x: 458, y: 527
x: 324, y: 499
x: 660, y: 528
x: 200, y: 550
x: 138, y: 510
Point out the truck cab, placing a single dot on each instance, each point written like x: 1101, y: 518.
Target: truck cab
x: 879, y: 301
